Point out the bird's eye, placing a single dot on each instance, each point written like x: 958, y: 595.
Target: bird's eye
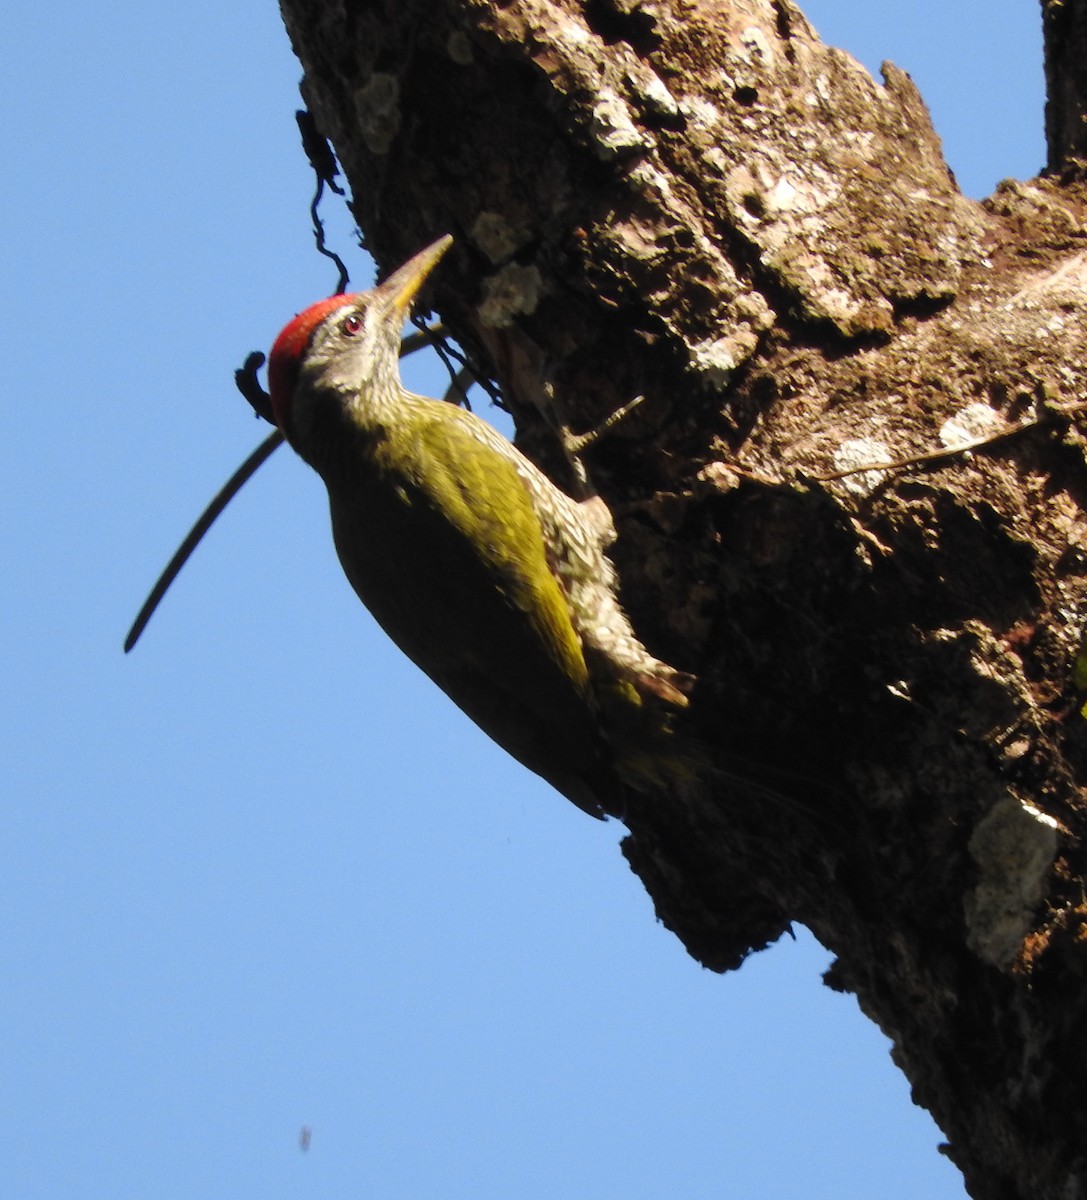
x: 351, y: 324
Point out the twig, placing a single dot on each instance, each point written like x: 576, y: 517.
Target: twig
x: 960, y: 448
x: 181, y: 555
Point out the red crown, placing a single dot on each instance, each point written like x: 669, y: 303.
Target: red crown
x: 290, y: 348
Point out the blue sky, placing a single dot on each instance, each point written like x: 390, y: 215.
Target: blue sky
x: 259, y: 874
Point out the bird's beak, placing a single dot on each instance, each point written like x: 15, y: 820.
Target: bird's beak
x: 403, y: 285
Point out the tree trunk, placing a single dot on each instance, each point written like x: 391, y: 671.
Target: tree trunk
x: 852, y: 500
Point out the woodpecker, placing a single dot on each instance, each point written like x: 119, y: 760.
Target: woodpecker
x: 488, y: 576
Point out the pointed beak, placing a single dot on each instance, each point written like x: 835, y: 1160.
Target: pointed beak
x: 403, y: 285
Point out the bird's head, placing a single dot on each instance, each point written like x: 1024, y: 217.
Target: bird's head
x: 345, y: 349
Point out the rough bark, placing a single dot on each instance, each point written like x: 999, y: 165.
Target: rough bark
x: 698, y: 202
x: 1064, y: 28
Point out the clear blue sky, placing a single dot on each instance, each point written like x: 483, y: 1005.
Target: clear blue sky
x: 260, y: 874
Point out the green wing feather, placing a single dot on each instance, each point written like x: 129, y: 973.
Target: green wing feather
x: 453, y: 565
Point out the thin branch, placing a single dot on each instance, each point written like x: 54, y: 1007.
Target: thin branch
x: 960, y: 448
x: 181, y: 555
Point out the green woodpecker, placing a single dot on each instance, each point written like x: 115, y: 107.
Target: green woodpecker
x: 483, y: 572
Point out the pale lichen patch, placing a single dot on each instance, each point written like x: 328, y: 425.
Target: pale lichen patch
x: 1013, y: 846
x: 649, y: 86
x: 756, y: 48
x: 705, y: 115
x: 377, y: 103
x: 574, y: 31
x: 861, y: 452
x: 715, y: 360
x: 459, y: 48
x: 494, y: 235
x: 613, y: 131
x: 509, y: 293
x: 977, y: 420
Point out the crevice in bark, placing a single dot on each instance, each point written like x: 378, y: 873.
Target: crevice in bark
x: 623, y: 22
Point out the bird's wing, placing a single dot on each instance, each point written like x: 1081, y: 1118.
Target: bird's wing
x: 448, y: 553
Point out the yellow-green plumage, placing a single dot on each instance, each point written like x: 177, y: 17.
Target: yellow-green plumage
x: 451, y: 562
x: 487, y: 576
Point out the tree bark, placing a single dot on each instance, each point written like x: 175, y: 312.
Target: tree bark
x: 852, y: 500
x: 1064, y: 30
